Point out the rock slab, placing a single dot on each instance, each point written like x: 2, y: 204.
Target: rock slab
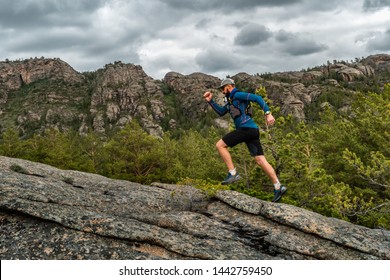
x: 47, y: 213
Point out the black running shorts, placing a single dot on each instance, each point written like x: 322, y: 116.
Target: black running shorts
x: 250, y: 136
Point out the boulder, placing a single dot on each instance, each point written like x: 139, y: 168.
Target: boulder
x: 349, y: 74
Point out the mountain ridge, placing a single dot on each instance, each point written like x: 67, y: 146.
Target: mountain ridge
x: 37, y: 94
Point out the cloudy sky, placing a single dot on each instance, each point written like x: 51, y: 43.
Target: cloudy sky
x: 217, y: 37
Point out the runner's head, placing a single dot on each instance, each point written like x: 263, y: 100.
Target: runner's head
x: 227, y: 86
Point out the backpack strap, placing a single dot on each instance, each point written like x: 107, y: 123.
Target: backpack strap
x: 248, y: 109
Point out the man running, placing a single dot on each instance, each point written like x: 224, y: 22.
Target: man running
x: 238, y: 105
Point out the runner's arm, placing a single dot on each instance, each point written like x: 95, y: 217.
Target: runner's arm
x: 217, y: 108
x: 253, y: 98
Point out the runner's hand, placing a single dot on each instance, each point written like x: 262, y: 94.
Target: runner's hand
x: 208, y: 96
x: 270, y: 119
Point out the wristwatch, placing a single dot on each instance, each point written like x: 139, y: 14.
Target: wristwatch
x: 267, y: 113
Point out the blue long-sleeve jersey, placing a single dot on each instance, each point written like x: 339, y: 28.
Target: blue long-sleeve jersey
x: 240, y: 100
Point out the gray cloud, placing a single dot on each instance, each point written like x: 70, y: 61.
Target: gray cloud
x: 215, y: 60
x: 321, y: 6
x: 202, y: 24
x: 283, y: 36
x: 216, y: 37
x: 30, y: 14
x: 252, y: 34
x: 380, y: 42
x: 295, y: 45
x: 304, y: 47
x: 226, y: 5
x: 374, y: 5
x: 47, y: 42
x: 92, y: 33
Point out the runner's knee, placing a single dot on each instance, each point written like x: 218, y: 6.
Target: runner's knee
x: 261, y: 160
x: 221, y: 144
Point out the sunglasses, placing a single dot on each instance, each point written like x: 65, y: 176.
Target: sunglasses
x: 222, y: 89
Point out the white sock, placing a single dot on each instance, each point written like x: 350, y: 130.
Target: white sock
x: 277, y: 185
x: 233, y: 172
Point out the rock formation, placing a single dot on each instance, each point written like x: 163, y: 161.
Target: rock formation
x: 190, y: 89
x: 36, y: 94
x: 379, y: 62
x: 14, y: 74
x: 122, y: 92
x: 47, y: 213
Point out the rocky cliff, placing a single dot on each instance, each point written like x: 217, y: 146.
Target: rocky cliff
x: 122, y: 92
x: 47, y: 213
x: 40, y: 93
x: 36, y: 94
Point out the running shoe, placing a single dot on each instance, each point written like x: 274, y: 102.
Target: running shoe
x: 231, y: 179
x: 279, y: 193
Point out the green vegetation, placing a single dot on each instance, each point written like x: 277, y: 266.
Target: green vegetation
x: 336, y: 165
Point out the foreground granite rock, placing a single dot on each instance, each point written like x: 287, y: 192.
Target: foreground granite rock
x: 47, y: 213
